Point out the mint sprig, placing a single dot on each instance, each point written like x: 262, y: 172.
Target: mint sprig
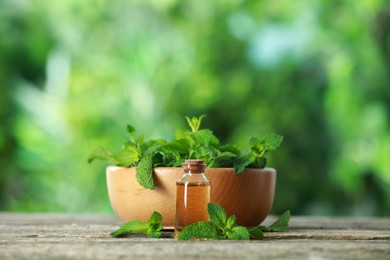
x: 222, y: 227
x: 195, y: 122
x: 126, y: 157
x: 193, y: 144
x: 279, y: 225
x: 152, y: 228
x: 256, y: 156
x: 219, y: 227
x: 199, y: 230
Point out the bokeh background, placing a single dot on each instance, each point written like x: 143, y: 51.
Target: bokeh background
x: 74, y: 73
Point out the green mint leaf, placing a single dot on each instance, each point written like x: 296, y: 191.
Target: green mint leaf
x: 254, y: 143
x: 231, y: 221
x: 154, y: 230
x: 192, y: 123
x: 140, y: 140
x: 233, y: 149
x: 201, y: 137
x: 130, y: 227
x: 170, y: 159
x: 153, y: 234
x: 243, y: 161
x: 153, y: 145
x: 155, y: 225
x: 195, y: 122
x: 199, y: 230
x: 204, y: 153
x: 180, y: 145
x: 259, y: 162
x: 222, y: 159
x: 238, y: 233
x: 131, y: 130
x: 101, y: 154
x: 272, y: 141
x: 127, y: 156
x: 279, y: 225
x: 144, y: 172
x: 217, y: 215
x: 156, y: 218
x: 269, y: 143
x: 256, y: 233
x: 151, y: 228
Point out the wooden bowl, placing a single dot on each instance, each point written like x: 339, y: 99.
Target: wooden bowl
x: 248, y: 195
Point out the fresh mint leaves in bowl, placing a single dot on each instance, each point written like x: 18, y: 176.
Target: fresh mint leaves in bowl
x: 142, y: 177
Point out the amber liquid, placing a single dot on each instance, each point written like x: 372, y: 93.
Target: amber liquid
x: 191, y: 203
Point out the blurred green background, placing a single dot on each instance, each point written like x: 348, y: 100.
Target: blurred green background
x: 74, y: 73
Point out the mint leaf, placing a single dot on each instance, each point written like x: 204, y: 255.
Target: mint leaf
x: 254, y: 142
x: 130, y: 129
x: 168, y: 159
x: 144, y: 172
x: 217, y: 215
x: 180, y: 146
x: 155, y: 225
x: 256, y: 233
x: 259, y: 162
x: 130, y: 227
x: 279, y: 225
x: 231, y: 221
x: 101, y: 154
x: 255, y: 158
x: 222, y: 159
x: 233, y: 149
x: 221, y: 227
x: 153, y: 234
x: 243, y: 161
x: 238, y: 233
x: 199, y: 230
x: 151, y: 228
x: 201, y: 137
x: 140, y: 140
x: 195, y: 122
x: 268, y: 143
x: 204, y: 153
x: 156, y: 218
x: 272, y: 141
x: 127, y: 156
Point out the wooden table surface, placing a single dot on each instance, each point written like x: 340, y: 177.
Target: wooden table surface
x: 61, y: 236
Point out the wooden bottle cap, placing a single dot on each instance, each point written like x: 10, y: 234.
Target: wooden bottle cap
x: 194, y: 166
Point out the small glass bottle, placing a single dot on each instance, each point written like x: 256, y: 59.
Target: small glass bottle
x: 193, y: 193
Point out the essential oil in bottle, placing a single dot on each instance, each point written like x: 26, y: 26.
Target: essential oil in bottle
x: 193, y: 193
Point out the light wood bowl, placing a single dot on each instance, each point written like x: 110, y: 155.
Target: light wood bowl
x: 248, y: 195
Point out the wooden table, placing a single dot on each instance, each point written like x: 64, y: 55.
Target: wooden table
x: 60, y: 236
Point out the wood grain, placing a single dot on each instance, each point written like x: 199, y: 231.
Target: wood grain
x: 63, y: 236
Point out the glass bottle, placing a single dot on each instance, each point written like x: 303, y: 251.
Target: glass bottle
x: 193, y: 193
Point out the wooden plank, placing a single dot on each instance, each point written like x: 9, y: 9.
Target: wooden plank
x: 60, y: 236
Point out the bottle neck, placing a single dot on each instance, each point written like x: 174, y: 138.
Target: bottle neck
x: 194, y: 170
x: 194, y: 166
x: 189, y: 173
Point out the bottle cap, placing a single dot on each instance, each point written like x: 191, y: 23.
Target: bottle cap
x: 194, y: 166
